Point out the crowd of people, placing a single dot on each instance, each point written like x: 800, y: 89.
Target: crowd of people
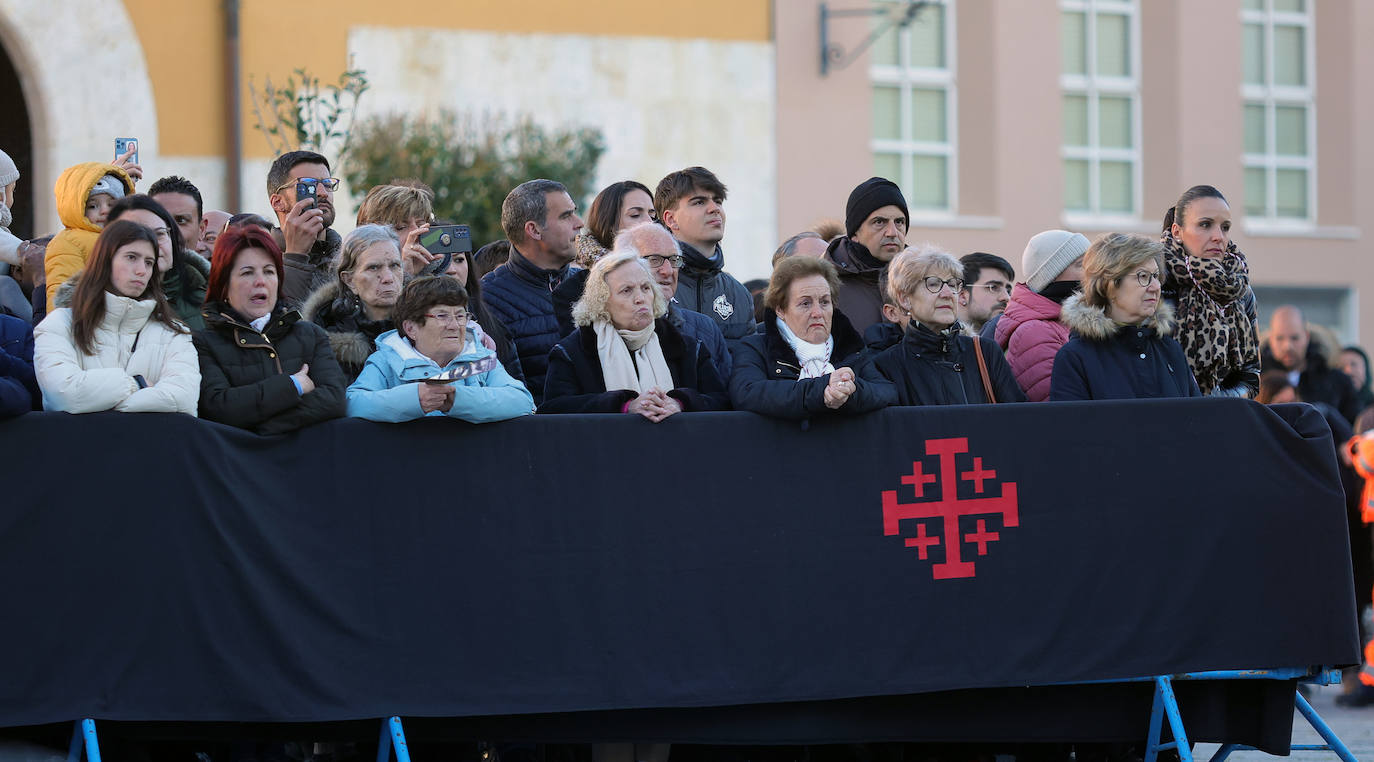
x: 151, y: 303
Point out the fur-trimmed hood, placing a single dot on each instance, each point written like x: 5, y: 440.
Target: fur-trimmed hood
x: 351, y: 335
x: 1092, y: 322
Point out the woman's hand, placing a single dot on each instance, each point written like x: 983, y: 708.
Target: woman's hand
x: 840, y: 388
x: 416, y: 256
x: 302, y: 377
x: 126, y: 163
x: 436, y: 397
x: 654, y: 405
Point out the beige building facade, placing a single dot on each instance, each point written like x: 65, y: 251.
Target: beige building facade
x: 1003, y: 118
x: 999, y: 118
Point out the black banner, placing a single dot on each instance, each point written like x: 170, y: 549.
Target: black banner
x: 162, y: 568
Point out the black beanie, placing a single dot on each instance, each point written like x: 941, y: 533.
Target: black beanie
x: 871, y: 195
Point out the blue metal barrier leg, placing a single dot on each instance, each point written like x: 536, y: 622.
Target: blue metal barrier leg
x: 1166, y: 704
x: 1318, y: 724
x: 74, y: 749
x: 393, y: 737
x: 92, y: 743
x: 1156, y: 724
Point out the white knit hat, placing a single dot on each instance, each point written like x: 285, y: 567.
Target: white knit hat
x: 9, y: 173
x: 1048, y: 254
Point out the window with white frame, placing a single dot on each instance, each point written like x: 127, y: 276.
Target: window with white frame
x: 1100, y: 79
x: 914, y: 109
x: 1280, y: 109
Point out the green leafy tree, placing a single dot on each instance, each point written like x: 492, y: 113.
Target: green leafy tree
x: 472, y: 163
x: 301, y: 115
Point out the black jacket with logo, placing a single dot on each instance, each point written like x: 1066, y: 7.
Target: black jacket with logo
x: 702, y: 286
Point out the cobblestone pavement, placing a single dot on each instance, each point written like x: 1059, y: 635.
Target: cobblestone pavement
x: 1354, y: 726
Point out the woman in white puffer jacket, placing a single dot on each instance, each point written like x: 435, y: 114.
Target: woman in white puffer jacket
x: 118, y: 346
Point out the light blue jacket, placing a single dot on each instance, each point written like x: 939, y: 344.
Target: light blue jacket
x: 382, y: 393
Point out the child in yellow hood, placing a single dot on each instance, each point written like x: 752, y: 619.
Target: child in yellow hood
x: 84, y: 194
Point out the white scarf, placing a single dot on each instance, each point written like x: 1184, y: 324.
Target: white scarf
x: 814, y: 359
x: 631, y: 359
x: 260, y: 323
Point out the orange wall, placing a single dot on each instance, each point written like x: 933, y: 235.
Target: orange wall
x: 184, y: 44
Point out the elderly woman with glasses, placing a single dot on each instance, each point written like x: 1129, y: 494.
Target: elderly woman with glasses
x: 938, y: 362
x: 625, y: 357
x: 433, y: 364
x: 1120, y: 346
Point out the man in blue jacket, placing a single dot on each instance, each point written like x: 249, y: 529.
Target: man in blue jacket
x: 541, y: 222
x: 651, y: 242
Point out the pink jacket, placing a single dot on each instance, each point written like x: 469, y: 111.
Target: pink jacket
x: 1030, y: 335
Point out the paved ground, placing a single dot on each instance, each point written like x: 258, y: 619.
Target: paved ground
x: 1354, y: 726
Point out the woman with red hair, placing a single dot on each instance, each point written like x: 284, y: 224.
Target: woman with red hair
x: 262, y: 368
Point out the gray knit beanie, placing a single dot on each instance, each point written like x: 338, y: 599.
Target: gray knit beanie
x: 110, y: 185
x: 9, y: 173
x: 1048, y: 254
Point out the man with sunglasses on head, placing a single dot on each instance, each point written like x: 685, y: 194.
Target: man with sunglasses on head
x: 987, y: 288
x: 875, y: 226
x: 305, y: 236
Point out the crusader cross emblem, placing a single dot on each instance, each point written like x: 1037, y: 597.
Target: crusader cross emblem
x: 948, y: 507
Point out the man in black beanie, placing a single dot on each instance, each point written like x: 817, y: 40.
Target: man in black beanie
x: 875, y: 225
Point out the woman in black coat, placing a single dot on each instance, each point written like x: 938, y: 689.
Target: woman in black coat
x: 937, y: 362
x: 802, y: 363
x: 1120, y: 346
x: 625, y: 357
x: 262, y: 368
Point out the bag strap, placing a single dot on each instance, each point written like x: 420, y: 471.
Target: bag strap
x: 983, y: 370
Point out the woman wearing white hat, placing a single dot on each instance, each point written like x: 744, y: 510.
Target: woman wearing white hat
x: 1029, y: 332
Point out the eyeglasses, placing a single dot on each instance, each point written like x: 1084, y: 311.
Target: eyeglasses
x: 656, y: 261
x: 994, y: 288
x: 934, y: 284
x: 459, y: 317
x: 331, y: 183
x: 1143, y: 277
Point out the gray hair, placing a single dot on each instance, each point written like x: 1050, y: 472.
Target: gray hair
x: 649, y: 236
x: 527, y: 204
x: 912, y: 266
x: 789, y: 247
x: 592, y: 306
x: 358, y: 241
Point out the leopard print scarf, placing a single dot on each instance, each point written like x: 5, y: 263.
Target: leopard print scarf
x: 1216, y: 334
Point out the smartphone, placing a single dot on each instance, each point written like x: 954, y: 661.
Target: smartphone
x: 447, y: 240
x: 307, y: 189
x: 124, y: 144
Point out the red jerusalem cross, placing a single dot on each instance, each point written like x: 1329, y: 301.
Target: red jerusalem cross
x: 949, y: 507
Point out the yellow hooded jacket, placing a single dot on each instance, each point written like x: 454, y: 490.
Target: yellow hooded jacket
x: 68, y: 250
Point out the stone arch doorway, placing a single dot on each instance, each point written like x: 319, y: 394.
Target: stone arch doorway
x: 16, y: 139
x: 83, y: 84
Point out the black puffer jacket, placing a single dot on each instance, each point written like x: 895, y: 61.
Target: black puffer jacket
x: 930, y: 368
x: 245, y: 376
x: 766, y: 373
x: 352, y: 336
x: 1320, y: 382
x: 859, y: 297
x: 576, y: 383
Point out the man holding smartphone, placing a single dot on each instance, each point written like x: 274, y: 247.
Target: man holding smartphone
x: 305, y: 234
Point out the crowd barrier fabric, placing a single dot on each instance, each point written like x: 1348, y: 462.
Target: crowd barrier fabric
x: 720, y: 566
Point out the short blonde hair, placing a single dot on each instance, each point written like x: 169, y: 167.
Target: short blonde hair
x: 792, y: 269
x: 1112, y: 257
x: 908, y: 269
x: 592, y: 306
x: 396, y: 205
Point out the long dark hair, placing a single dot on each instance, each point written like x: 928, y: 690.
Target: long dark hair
x: 145, y: 202
x: 1175, y: 212
x: 604, y: 215
x: 88, y: 300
